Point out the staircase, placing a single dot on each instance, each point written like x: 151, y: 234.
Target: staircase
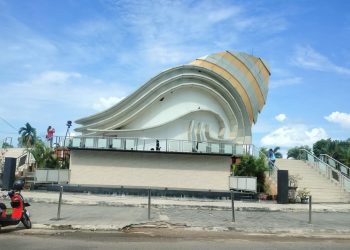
x: 322, y: 189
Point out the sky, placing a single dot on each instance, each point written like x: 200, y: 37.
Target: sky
x: 65, y: 59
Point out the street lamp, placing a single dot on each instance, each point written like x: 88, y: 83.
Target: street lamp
x: 69, y: 124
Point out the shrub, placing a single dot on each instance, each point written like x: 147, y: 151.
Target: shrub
x: 251, y: 166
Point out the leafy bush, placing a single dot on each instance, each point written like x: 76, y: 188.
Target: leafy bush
x: 44, y: 156
x: 251, y: 166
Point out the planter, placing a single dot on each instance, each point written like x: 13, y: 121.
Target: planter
x: 292, y: 194
x: 304, y: 200
x: 262, y: 197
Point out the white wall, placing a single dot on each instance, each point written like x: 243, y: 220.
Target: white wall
x: 150, y: 169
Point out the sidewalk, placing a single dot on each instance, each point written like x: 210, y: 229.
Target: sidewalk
x: 122, y: 213
x: 168, y: 202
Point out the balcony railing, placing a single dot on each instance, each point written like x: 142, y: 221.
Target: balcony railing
x: 158, y: 145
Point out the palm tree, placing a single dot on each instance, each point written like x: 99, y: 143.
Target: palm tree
x: 28, y: 135
x: 27, y: 139
x: 277, y: 154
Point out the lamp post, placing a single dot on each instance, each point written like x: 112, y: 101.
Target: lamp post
x: 69, y: 124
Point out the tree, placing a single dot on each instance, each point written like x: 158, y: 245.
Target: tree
x: 339, y: 150
x: 344, y: 154
x: 28, y: 135
x: 277, y: 154
x: 296, y: 151
x: 323, y: 146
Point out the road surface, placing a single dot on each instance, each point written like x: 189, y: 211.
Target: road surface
x: 154, y: 239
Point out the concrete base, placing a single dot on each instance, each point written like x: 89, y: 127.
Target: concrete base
x: 143, y: 191
x: 150, y: 169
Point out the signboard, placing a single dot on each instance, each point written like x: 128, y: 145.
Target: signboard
x: 243, y: 183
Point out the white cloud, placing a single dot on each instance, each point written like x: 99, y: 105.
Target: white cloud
x: 56, y: 92
x: 72, y: 133
x: 285, y: 82
x: 281, y: 117
x: 104, y: 103
x: 341, y: 118
x: 307, y: 57
x: 290, y: 136
x: 55, y: 77
x: 166, y: 32
x: 223, y: 14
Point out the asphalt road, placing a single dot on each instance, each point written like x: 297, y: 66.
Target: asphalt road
x: 247, y: 221
x: 157, y: 239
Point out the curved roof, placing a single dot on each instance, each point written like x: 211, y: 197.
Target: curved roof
x: 237, y: 80
x: 248, y: 74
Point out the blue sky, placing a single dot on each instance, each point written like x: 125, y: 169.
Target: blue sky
x: 63, y: 60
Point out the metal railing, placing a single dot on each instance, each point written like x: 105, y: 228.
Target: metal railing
x: 336, y: 164
x: 7, y: 140
x: 325, y: 169
x: 52, y: 176
x: 150, y: 144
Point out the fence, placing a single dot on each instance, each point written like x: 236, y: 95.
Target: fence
x: 59, y: 176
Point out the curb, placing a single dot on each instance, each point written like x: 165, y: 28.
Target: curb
x: 298, y: 233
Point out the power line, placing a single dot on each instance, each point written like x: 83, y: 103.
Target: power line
x: 9, y: 124
x: 8, y: 133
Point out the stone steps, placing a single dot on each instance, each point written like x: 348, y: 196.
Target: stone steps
x: 321, y: 188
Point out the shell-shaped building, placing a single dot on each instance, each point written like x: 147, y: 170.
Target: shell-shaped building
x: 215, y: 98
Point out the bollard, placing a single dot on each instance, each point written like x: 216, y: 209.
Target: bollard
x: 310, y: 209
x: 59, y: 204
x: 233, y: 205
x: 149, y: 204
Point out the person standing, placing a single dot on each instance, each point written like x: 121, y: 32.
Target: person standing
x: 49, y: 135
x: 272, y: 159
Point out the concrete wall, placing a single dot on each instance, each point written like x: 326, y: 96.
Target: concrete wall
x: 156, y: 169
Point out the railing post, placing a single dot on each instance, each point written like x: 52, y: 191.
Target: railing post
x: 149, y: 203
x: 59, y: 204
x: 310, y: 209
x: 233, y: 205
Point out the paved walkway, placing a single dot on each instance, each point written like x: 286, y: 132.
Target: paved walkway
x: 109, y: 212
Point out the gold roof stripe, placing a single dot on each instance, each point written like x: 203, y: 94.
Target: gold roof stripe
x: 235, y: 83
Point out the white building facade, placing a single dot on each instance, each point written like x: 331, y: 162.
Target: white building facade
x: 179, y: 130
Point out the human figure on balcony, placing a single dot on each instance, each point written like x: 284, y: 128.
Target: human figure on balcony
x: 49, y: 135
x: 157, y: 145
x: 272, y: 158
